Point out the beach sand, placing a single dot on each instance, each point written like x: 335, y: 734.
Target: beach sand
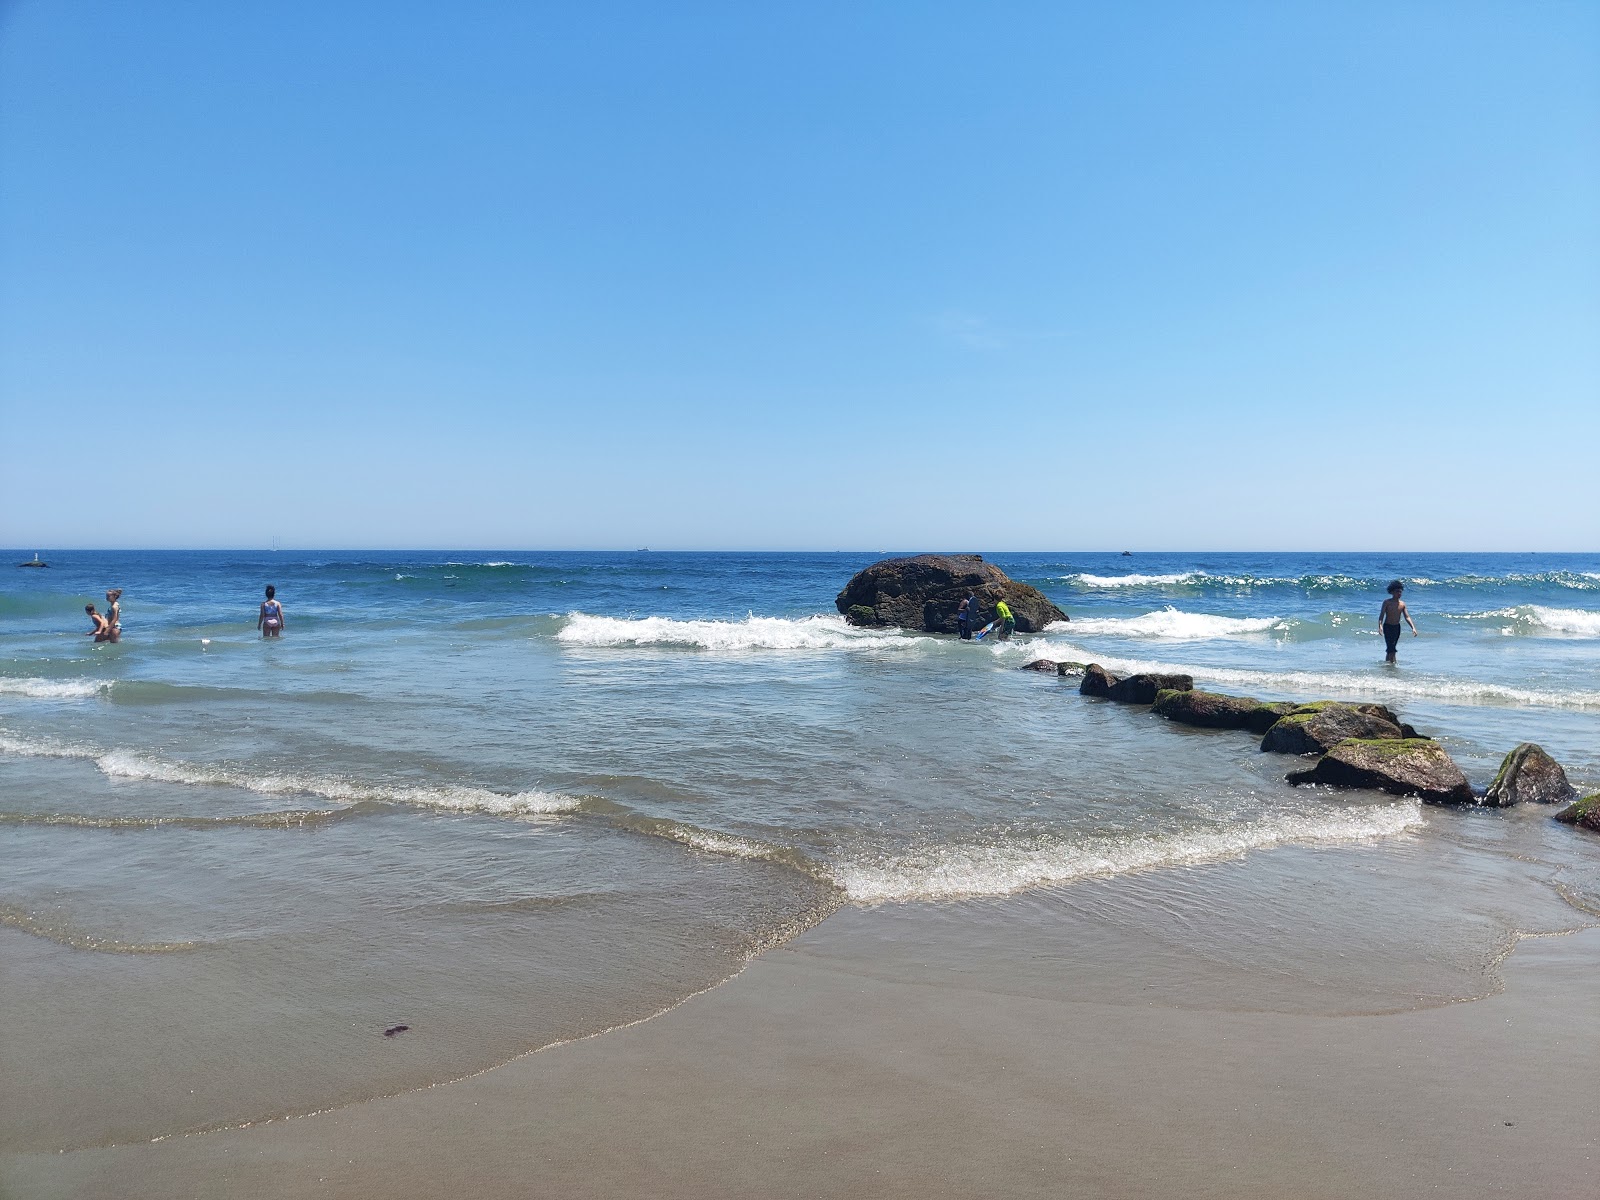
x: 1016, y: 1047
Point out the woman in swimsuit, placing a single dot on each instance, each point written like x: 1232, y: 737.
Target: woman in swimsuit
x: 270, y: 622
x: 113, y: 617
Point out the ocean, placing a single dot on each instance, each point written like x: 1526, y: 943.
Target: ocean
x: 509, y: 799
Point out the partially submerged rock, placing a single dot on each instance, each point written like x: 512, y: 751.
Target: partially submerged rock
x: 1584, y: 813
x: 1401, y: 766
x: 1097, y: 681
x: 1265, y: 715
x: 1209, y: 710
x: 1529, y: 776
x: 1070, y: 668
x: 1143, y: 688
x: 925, y: 590
x: 1317, y: 728
x: 1046, y: 665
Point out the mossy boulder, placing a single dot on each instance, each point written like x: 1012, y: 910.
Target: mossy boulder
x: 1529, y: 776
x: 924, y: 592
x: 1584, y: 813
x: 1400, y: 766
x: 1097, y: 681
x: 1070, y: 668
x: 1317, y: 728
x: 1209, y: 710
x: 861, y: 614
x: 1142, y: 688
x: 1264, y: 716
x: 1044, y: 665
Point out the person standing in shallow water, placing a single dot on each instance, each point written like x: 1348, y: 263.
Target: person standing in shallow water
x: 1390, y: 615
x: 270, y: 622
x: 964, y: 613
x: 113, y: 617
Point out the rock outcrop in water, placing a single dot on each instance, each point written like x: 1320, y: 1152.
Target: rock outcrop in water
x: 1046, y: 666
x: 1529, y: 776
x: 1584, y: 813
x: 1402, y: 766
x: 924, y: 591
x: 1317, y: 728
x: 1097, y: 681
x: 1144, y: 687
x: 1217, y: 710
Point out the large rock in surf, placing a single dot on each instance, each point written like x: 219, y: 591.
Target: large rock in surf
x: 1144, y: 687
x: 1047, y: 666
x: 1217, y: 710
x: 1402, y: 766
x: 1317, y: 728
x: 1097, y: 681
x: 1584, y: 813
x: 1070, y: 668
x: 924, y: 591
x: 1529, y: 776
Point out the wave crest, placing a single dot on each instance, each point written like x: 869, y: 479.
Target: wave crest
x: 54, y: 689
x: 1176, y: 625
x: 821, y: 632
x: 948, y: 872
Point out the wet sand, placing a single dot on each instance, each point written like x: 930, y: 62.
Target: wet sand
x: 1018, y: 1047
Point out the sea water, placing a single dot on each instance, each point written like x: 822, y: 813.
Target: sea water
x: 507, y: 799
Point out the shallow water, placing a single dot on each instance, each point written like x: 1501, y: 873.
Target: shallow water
x: 511, y: 798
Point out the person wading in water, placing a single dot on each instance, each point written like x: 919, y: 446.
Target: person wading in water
x: 1390, y: 615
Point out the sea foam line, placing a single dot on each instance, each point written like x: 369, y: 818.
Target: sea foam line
x: 133, y: 764
x: 1383, y: 686
x: 1174, y: 624
x: 947, y: 872
x: 820, y: 632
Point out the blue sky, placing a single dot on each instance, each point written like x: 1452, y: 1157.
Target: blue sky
x: 1054, y: 276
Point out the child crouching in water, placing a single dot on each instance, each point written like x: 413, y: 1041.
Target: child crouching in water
x: 102, y: 628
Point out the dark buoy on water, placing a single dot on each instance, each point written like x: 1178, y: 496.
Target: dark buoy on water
x: 35, y: 562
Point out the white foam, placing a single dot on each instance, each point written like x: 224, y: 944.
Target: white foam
x: 1384, y: 685
x: 54, y: 689
x: 1116, y: 581
x: 973, y: 869
x: 1174, y: 625
x: 1536, y: 618
x: 822, y: 632
x: 132, y: 764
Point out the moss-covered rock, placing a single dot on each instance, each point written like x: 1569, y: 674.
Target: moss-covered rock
x: 1400, y: 766
x: 1097, y: 681
x: 1045, y: 665
x: 1264, y: 716
x: 861, y: 614
x: 1529, y: 776
x: 1209, y: 710
x: 1584, y: 813
x: 1070, y: 668
x: 1142, y: 688
x: 1317, y: 728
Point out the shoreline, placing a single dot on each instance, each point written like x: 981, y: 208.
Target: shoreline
x: 1032, y: 1045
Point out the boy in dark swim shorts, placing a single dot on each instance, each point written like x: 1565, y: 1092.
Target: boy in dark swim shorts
x: 1390, y: 615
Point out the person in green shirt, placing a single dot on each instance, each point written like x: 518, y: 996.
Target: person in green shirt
x: 1003, y: 611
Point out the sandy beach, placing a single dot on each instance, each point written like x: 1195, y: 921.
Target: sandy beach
x: 1034, y: 1046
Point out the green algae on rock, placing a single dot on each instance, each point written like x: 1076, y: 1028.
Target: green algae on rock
x: 1584, y: 813
x: 1401, y: 766
x: 1529, y: 776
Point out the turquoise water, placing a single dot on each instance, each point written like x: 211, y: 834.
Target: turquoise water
x: 508, y: 798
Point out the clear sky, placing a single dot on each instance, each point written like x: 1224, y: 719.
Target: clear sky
x: 1001, y: 276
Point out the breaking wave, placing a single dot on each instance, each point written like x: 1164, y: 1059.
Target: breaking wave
x: 63, y: 932
x: 1176, y: 625
x: 953, y: 871
x: 132, y: 764
x: 821, y: 632
x: 54, y: 689
x: 1536, y: 620
x: 1587, y: 581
